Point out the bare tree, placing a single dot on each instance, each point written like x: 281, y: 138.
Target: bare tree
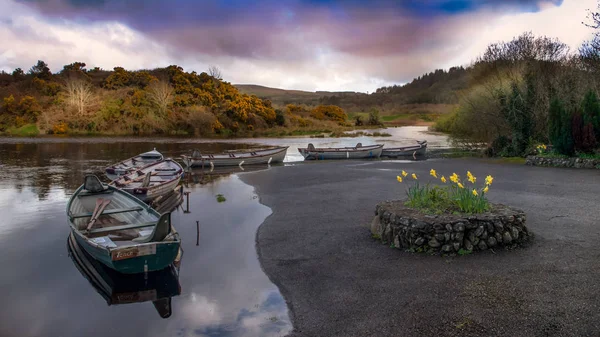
x: 80, y: 94
x: 215, y: 72
x: 161, y: 94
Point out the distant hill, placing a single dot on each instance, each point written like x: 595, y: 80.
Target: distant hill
x: 282, y: 97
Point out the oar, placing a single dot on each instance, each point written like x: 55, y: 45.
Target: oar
x: 99, y: 202
x: 105, y: 203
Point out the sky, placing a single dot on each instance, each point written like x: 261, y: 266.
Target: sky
x: 329, y: 45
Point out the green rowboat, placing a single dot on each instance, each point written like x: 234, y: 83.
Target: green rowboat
x: 119, y: 230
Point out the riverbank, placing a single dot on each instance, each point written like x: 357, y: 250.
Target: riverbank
x: 338, y: 281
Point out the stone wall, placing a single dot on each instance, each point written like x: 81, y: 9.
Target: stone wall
x: 563, y: 162
x: 409, y: 229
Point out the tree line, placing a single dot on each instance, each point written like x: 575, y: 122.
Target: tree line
x: 163, y: 100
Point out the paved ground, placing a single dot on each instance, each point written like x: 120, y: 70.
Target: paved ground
x: 338, y: 281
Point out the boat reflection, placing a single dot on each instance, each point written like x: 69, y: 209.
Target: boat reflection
x: 116, y: 288
x: 198, y: 176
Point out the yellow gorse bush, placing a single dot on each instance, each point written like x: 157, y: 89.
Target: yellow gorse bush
x: 449, y: 197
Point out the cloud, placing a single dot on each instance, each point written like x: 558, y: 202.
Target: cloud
x: 301, y: 44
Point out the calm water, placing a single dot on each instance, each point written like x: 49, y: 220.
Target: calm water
x: 223, y: 291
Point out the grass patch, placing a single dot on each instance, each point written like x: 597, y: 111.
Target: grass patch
x: 27, y: 130
x: 221, y: 198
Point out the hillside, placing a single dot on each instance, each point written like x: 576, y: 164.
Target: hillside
x: 420, y: 101
x: 283, y: 97
x: 167, y: 100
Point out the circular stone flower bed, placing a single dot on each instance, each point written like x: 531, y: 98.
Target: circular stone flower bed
x: 409, y: 229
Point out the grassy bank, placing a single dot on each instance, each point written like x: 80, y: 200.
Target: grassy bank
x: 27, y: 130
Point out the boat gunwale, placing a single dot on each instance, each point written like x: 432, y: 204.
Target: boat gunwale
x: 203, y: 158
x: 342, y: 149
x: 113, y: 166
x: 178, y: 174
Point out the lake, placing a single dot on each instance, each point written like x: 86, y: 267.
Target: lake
x: 221, y: 288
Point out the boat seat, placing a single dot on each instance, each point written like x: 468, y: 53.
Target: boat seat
x: 160, y: 232
x: 92, y: 184
x: 87, y: 194
x: 110, y: 211
x: 146, y: 181
x: 119, y: 228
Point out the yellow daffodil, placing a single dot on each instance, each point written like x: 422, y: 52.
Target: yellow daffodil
x: 414, y: 176
x: 488, y: 180
x: 486, y: 189
x: 399, y: 178
x: 460, y: 185
x: 454, y: 178
x: 404, y: 174
x: 433, y: 173
x: 472, y: 179
x: 443, y: 179
x: 469, y: 174
x: 475, y: 192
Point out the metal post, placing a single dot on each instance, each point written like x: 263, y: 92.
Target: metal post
x: 187, y: 206
x: 197, y: 233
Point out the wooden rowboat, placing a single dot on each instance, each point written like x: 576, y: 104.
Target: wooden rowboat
x: 356, y: 152
x: 129, y: 165
x: 116, y: 288
x: 120, y: 230
x: 151, y: 181
x: 251, y: 157
x: 407, y: 151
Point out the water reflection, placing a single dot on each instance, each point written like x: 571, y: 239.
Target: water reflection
x: 199, y: 176
x: 224, y: 291
x: 117, y: 288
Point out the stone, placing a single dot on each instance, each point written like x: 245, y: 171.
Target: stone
x: 433, y: 243
x: 376, y: 226
x: 471, y: 236
x: 515, y: 233
x: 506, y: 238
x: 498, y: 237
x: 419, y: 224
x: 498, y: 225
x: 456, y: 246
x: 467, y: 244
x: 459, y: 227
x: 402, y: 227
x: 387, y: 234
x: 471, y: 225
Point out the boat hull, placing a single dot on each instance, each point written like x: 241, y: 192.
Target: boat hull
x: 359, y: 153
x: 129, y: 165
x: 148, y: 194
x: 404, y: 152
x: 220, y: 161
x: 157, y: 255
